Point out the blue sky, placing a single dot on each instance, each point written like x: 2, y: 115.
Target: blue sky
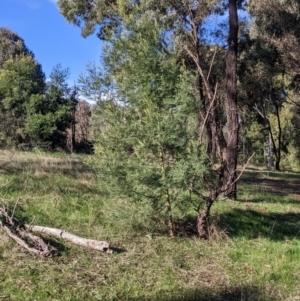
x: 47, y: 33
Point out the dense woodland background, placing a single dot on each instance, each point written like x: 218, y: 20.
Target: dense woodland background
x: 178, y: 110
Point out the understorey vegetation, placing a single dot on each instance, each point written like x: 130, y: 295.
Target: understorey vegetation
x: 253, y: 251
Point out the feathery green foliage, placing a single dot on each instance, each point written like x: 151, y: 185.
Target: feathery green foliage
x: 148, y: 148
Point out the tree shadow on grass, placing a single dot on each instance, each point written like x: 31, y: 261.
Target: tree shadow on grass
x: 59, y: 247
x: 275, y: 185
x: 68, y: 167
x: 249, y: 224
x: 186, y: 227
x: 245, y: 293
x: 278, y: 199
x: 39, y: 185
x: 252, y: 224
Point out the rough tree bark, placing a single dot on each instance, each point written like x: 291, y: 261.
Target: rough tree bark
x: 209, y: 115
x: 227, y: 147
x: 229, y: 154
x: 202, y: 224
x: 276, y: 147
x: 279, y: 136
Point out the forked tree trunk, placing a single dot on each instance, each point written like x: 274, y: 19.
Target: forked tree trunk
x: 229, y: 156
x: 202, y: 218
x: 209, y: 114
x: 202, y: 226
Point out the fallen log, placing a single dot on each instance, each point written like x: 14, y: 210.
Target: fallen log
x: 88, y: 243
x: 21, y: 233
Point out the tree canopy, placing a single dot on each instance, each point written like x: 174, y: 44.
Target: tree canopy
x: 20, y: 79
x: 11, y: 45
x: 33, y: 113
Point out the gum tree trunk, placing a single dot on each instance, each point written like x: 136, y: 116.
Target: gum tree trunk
x: 229, y: 155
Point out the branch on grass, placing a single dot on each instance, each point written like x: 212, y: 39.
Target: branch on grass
x: 21, y: 234
x: 42, y: 251
x: 14, y: 229
x: 88, y: 243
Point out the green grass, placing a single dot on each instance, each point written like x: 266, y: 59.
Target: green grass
x: 254, y: 253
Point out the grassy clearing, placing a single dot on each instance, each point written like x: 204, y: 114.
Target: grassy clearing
x: 257, y: 259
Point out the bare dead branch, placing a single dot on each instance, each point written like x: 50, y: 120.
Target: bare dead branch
x: 244, y: 167
x: 15, y: 206
x: 207, y: 113
x: 199, y: 68
x: 88, y: 243
x: 23, y: 244
x: 25, y: 239
x: 240, y: 174
x: 260, y: 112
x: 35, y: 244
x: 211, y: 63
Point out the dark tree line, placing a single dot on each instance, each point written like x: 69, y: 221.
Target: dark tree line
x: 33, y: 112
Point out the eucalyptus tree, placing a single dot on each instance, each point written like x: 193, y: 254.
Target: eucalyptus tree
x: 265, y: 94
x: 20, y: 78
x: 33, y: 113
x: 272, y: 55
x: 11, y: 45
x: 51, y: 113
x: 277, y: 21
x: 182, y: 26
